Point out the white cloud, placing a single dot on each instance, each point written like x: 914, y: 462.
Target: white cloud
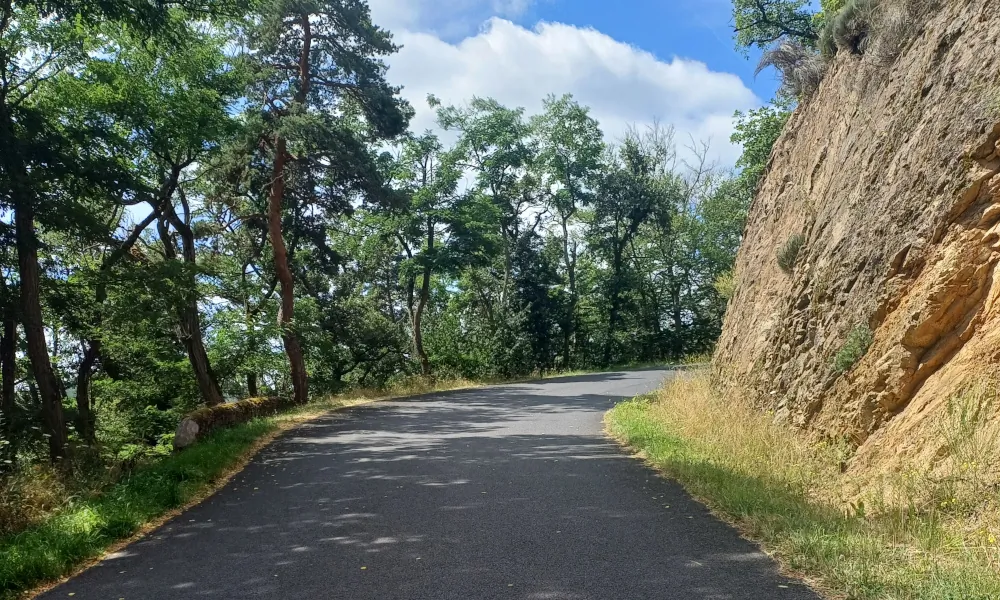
x: 449, y: 19
x: 622, y: 84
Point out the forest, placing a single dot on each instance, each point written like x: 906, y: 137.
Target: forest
x: 207, y: 201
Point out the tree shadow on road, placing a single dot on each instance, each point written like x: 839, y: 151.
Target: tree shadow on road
x: 505, y: 492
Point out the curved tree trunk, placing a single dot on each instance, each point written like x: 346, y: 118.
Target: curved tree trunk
x: 189, y: 321
x: 286, y: 312
x: 48, y: 386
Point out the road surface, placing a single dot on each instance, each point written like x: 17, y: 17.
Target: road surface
x: 509, y: 492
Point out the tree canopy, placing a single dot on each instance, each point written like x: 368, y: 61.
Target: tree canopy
x: 760, y: 23
x: 201, y: 203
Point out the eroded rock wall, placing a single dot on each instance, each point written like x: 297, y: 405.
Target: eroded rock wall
x: 891, y: 172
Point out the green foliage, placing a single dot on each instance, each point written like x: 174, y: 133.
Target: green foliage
x: 726, y: 285
x: 855, y: 346
x: 789, y: 252
x: 760, y: 23
x: 757, y: 131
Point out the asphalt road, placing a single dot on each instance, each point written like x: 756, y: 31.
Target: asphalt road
x: 509, y: 492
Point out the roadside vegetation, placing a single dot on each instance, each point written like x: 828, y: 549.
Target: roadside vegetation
x: 919, y: 534
x: 52, y: 524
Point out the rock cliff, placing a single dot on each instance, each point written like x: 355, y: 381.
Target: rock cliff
x: 890, y: 172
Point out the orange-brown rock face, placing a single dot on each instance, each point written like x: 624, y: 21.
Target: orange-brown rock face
x: 892, y: 174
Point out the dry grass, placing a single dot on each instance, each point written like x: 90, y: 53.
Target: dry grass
x: 905, y: 536
x: 789, y: 252
x: 412, y: 386
x: 801, y: 68
x: 29, y: 496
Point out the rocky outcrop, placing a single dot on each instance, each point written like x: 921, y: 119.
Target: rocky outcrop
x: 891, y: 172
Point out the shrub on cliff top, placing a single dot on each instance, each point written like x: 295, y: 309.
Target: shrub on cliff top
x: 790, y: 251
x: 853, y: 25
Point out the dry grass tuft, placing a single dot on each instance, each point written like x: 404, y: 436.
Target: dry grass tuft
x: 801, y: 68
x: 789, y: 252
x: 27, y: 497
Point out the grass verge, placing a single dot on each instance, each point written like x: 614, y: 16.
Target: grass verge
x: 790, y: 495
x: 86, y: 528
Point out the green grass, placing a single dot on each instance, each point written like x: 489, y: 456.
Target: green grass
x: 56, y: 546
x: 771, y: 484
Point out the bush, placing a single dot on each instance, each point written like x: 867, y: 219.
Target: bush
x: 801, y: 68
x: 790, y: 251
x: 827, y: 45
x: 875, y: 28
x: 856, y: 346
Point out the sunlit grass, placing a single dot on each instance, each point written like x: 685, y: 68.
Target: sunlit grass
x: 84, y: 529
x: 790, y: 494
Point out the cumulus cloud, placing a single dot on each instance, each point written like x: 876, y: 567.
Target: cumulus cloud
x: 448, y: 19
x: 622, y: 84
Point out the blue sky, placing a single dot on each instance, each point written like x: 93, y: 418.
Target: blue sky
x: 634, y: 62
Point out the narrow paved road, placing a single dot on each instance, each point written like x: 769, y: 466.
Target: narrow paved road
x: 509, y: 492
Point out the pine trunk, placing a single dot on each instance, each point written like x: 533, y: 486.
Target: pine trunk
x: 8, y: 370
x: 286, y: 313
x: 85, y: 416
x: 569, y: 327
